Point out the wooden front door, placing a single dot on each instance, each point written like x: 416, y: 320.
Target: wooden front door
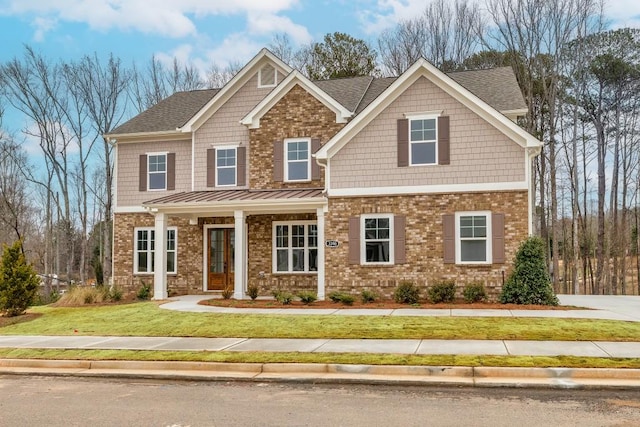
x: 220, y: 258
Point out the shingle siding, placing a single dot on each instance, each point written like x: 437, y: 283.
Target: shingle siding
x: 479, y: 153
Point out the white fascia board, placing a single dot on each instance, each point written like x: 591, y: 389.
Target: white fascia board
x: 165, y: 135
x: 428, y: 189
x: 252, y: 119
x: 422, y: 68
x: 130, y: 209
x: 232, y: 86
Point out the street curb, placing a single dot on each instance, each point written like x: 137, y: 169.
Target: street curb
x: 329, y: 373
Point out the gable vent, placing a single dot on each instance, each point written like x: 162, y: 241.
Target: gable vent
x: 267, y: 76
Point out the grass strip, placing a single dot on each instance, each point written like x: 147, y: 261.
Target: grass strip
x: 342, y: 358
x: 146, y: 319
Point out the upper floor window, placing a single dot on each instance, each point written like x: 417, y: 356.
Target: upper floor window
x: 297, y: 155
x: 157, y: 169
x: 226, y: 166
x: 423, y: 141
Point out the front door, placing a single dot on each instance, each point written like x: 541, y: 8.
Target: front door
x: 220, y: 258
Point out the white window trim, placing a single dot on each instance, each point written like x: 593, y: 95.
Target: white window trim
x: 426, y: 116
x: 135, y: 250
x: 286, y: 159
x: 275, y: 78
x: 166, y: 167
x: 489, y: 238
x: 274, y: 248
x: 363, y: 241
x: 235, y: 179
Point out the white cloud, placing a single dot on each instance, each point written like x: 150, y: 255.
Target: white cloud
x: 235, y: 48
x: 269, y: 23
x: 43, y: 26
x: 623, y: 13
x: 31, y: 142
x: 387, y: 13
x: 169, y: 18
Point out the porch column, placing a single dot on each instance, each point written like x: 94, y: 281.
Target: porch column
x: 320, y: 218
x: 160, y: 257
x: 240, y: 263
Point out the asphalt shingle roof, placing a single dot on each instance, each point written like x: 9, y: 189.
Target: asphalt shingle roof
x: 168, y: 114
x: 497, y: 87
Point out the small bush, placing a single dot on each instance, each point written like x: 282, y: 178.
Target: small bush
x: 81, y: 295
x: 227, y: 292
x: 474, y: 292
x: 406, y: 293
x: 144, y: 293
x: 285, y: 298
x: 335, y: 296
x: 253, y: 290
x: 529, y: 282
x: 442, y: 292
x: 115, y: 293
x: 307, y: 297
x: 347, y: 299
x: 368, y: 296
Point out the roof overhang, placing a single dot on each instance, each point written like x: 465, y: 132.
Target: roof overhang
x: 252, y: 119
x: 263, y: 57
x: 214, y: 203
x: 422, y: 68
x: 172, y: 135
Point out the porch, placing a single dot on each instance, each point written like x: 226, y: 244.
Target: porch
x: 255, y: 225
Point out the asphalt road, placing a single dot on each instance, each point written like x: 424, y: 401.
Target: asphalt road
x: 56, y: 401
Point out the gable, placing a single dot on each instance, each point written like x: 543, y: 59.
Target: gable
x: 480, y: 153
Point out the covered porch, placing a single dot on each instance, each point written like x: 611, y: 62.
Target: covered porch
x: 225, y: 250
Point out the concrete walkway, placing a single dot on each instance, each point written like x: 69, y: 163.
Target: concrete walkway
x: 601, y: 307
x: 459, y: 347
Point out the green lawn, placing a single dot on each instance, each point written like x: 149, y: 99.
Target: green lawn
x: 146, y: 319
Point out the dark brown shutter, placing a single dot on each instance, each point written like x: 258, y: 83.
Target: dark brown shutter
x: 241, y: 171
x: 171, y: 171
x: 211, y: 167
x: 354, y: 240
x: 278, y: 163
x: 403, y: 142
x: 449, y: 238
x: 443, y: 140
x: 497, y: 244
x: 400, y: 253
x: 315, y: 167
x: 143, y: 173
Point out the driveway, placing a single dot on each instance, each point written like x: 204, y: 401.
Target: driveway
x: 621, y: 304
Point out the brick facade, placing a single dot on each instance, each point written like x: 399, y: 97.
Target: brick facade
x: 297, y: 114
x: 424, y: 244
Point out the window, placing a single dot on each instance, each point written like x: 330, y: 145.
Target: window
x: 225, y: 167
x: 295, y: 247
x: 144, y: 246
x: 377, y: 241
x: 297, y: 160
x: 473, y: 231
x: 423, y: 141
x: 157, y: 168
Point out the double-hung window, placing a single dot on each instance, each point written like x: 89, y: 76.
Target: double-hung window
x: 473, y: 233
x: 297, y: 156
x: 377, y: 239
x: 295, y: 247
x: 423, y: 140
x: 144, y: 250
x: 226, y: 163
x: 157, y: 170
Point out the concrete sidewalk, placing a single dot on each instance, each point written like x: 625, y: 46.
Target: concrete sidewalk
x: 626, y: 308
x: 422, y: 347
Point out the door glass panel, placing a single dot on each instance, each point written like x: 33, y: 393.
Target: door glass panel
x: 216, y: 251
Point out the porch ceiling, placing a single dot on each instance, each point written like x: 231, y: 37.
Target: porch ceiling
x: 225, y: 202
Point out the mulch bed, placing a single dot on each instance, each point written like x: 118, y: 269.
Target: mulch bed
x: 383, y: 304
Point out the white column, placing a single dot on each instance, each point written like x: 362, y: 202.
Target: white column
x: 240, y: 266
x: 320, y: 217
x: 160, y: 257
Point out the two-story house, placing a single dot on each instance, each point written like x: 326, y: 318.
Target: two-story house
x: 343, y: 184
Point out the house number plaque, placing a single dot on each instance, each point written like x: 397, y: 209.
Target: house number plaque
x: 331, y: 243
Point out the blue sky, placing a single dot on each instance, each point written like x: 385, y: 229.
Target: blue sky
x: 202, y: 32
